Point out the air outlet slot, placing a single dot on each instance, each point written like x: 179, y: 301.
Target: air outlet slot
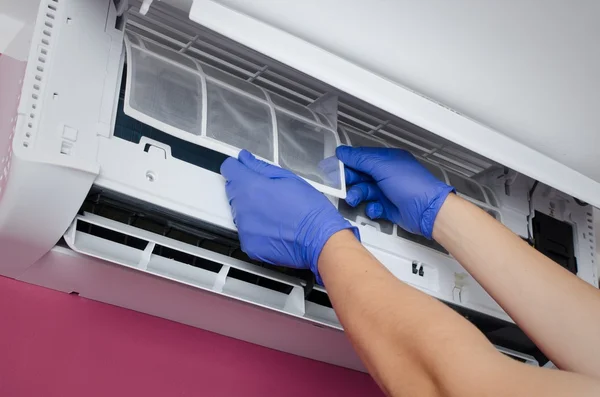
x: 260, y: 281
x: 319, y: 297
x: 111, y: 235
x: 188, y: 259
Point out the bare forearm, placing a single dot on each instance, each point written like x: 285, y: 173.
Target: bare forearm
x: 414, y: 345
x: 411, y: 343
x: 557, y: 310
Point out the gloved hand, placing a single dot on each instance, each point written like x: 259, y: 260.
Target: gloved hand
x: 281, y: 219
x: 397, y: 187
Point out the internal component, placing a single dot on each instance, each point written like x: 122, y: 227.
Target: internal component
x: 554, y: 239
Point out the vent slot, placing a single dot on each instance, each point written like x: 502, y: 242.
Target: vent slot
x: 260, y: 281
x: 111, y: 235
x: 187, y: 259
x: 319, y: 298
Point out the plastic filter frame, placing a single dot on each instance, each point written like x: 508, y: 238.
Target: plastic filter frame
x: 193, y: 101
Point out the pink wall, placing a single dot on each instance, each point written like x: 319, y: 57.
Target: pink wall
x: 54, y: 344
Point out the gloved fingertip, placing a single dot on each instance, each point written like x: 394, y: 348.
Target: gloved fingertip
x: 352, y: 197
x: 228, y: 166
x: 374, y: 210
x: 254, y: 164
x: 341, y: 151
x: 246, y: 157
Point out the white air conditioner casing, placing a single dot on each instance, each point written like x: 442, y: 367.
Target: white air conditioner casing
x: 148, y: 228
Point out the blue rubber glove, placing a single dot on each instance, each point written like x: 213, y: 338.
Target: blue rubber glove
x: 281, y: 219
x: 397, y: 187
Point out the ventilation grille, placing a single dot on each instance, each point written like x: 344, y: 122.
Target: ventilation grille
x: 172, y: 28
x: 48, y: 14
x: 200, y: 258
x: 588, y: 234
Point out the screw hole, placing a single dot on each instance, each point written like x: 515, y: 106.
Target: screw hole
x: 69, y: 20
x: 150, y: 176
x: 26, y: 144
x: 55, y: 95
x: 28, y: 134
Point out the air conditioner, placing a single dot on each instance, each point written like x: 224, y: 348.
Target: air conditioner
x: 110, y: 189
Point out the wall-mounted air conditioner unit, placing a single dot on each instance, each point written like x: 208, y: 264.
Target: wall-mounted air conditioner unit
x: 113, y: 129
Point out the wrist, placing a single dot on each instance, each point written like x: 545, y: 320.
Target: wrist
x: 341, y: 241
x: 441, y: 219
x: 430, y: 215
x: 315, y: 232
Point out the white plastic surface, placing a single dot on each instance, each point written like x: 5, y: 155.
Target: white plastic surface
x: 49, y: 157
x: 200, y: 104
x: 518, y: 83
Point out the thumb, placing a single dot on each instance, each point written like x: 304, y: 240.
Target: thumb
x: 233, y: 170
x: 262, y: 168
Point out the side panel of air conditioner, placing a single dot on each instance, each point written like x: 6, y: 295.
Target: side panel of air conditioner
x: 49, y: 157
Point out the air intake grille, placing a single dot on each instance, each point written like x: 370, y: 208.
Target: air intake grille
x: 172, y: 28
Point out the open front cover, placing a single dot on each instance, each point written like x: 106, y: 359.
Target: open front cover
x: 196, y: 102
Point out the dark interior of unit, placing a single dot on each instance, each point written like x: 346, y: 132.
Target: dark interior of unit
x: 554, y: 239
x: 501, y: 333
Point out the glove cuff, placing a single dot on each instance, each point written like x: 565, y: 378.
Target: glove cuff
x: 429, y: 215
x: 315, y: 232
